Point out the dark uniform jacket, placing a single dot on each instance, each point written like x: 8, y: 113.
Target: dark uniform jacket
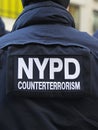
x: 48, y: 73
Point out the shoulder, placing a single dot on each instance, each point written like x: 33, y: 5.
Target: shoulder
x: 81, y: 38
x: 12, y: 38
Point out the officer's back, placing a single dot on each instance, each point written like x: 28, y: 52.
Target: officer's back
x: 48, y: 72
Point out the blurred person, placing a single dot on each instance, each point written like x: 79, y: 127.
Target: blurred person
x: 48, y: 71
x: 96, y: 34
x: 3, y: 31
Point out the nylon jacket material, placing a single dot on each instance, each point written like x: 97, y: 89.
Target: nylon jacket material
x: 47, y: 23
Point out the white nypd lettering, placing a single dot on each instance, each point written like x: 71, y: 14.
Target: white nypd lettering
x: 62, y: 66
x: 40, y: 67
x: 22, y: 66
x: 54, y: 69
x: 77, y: 68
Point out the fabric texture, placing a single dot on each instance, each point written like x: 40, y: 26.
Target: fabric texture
x: 48, y: 24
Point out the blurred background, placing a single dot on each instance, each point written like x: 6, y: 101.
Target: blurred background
x: 85, y: 13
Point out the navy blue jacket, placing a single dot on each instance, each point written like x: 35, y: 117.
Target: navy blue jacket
x: 48, y: 24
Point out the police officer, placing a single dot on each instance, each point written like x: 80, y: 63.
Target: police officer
x: 48, y: 71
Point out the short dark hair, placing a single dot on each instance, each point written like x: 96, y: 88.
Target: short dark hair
x: 65, y: 3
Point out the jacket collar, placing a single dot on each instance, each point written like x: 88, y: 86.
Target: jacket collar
x: 44, y: 13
